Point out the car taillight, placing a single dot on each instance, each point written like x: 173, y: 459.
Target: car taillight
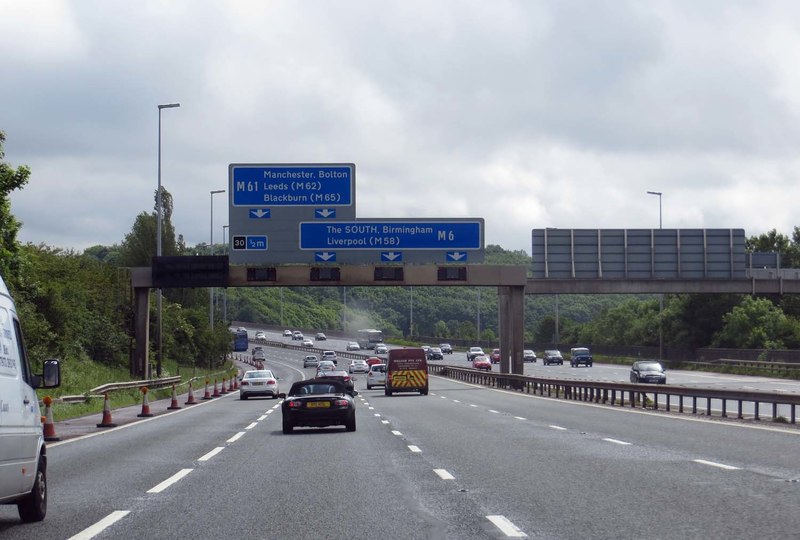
x: 270, y: 381
x: 295, y: 404
x: 340, y: 403
x: 346, y: 378
x: 245, y: 383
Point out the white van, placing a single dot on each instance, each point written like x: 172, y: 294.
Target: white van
x: 23, y: 457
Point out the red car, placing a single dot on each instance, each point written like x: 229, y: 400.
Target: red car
x: 481, y: 362
x: 495, y: 356
x: 372, y: 360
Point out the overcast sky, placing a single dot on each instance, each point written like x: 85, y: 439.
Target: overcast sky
x: 530, y: 114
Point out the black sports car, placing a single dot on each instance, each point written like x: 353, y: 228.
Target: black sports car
x: 318, y: 403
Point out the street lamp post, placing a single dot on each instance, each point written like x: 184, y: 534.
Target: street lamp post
x: 224, y: 291
x: 158, y: 242
x: 661, y: 296
x: 211, y: 250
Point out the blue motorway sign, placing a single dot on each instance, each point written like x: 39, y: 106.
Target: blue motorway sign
x: 292, y: 185
x: 394, y: 235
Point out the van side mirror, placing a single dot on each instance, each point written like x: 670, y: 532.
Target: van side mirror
x: 51, y: 378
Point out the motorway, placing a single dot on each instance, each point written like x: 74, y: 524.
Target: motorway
x: 463, y: 462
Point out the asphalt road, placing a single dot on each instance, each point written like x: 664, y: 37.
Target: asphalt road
x: 462, y: 462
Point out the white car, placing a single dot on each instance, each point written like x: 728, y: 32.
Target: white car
x: 380, y: 348
x: 376, y: 376
x: 528, y: 356
x: 261, y: 335
x: 308, y: 343
x: 297, y: 335
x: 325, y: 365
x: 287, y: 333
x: 359, y: 366
x: 330, y: 355
x: 353, y: 346
x: 473, y: 352
x: 310, y: 360
x: 258, y: 382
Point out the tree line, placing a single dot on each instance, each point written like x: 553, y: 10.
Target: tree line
x: 79, y: 304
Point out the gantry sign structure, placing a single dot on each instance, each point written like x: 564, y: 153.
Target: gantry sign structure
x: 306, y: 213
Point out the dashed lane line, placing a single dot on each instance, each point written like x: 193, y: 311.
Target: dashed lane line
x: 717, y: 465
x: 616, y: 441
x: 251, y: 426
x: 169, y: 481
x: 211, y: 454
x: 443, y: 474
x: 414, y: 448
x: 559, y: 428
x: 236, y: 437
x: 506, y: 527
x: 100, y: 526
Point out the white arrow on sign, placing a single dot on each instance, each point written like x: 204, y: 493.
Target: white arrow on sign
x: 392, y: 255
x: 260, y: 212
x: 326, y: 255
x: 326, y: 212
x: 456, y: 255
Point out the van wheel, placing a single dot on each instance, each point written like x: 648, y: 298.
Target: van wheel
x: 423, y: 392
x: 369, y: 387
x: 33, y: 506
x: 387, y: 392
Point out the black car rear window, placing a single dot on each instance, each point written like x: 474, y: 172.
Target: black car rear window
x: 317, y: 386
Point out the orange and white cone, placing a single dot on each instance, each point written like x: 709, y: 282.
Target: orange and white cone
x: 236, y: 381
x: 207, y: 394
x: 145, y: 405
x: 106, y: 422
x: 49, y: 426
x: 191, y: 400
x: 223, y: 390
x: 230, y: 385
x: 216, y: 389
x: 174, y: 403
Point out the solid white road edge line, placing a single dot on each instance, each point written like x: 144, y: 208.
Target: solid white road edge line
x: 506, y: 527
x: 100, y: 526
x: 718, y: 465
x: 211, y: 454
x: 169, y: 481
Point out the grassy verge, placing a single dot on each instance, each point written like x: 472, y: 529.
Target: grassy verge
x: 79, y: 376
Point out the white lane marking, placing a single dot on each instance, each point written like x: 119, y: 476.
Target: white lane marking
x: 269, y: 412
x: 251, y: 426
x: 372, y: 408
x: 494, y: 411
x: 414, y: 448
x: 615, y: 441
x: 520, y: 418
x: 262, y: 417
x: 276, y: 406
x: 444, y: 475
x: 506, y: 527
x: 395, y: 432
x: 169, y: 481
x: 718, y: 465
x: 472, y: 405
x: 100, y: 526
x: 366, y: 403
x: 377, y: 414
x: 559, y: 428
x: 456, y: 401
x: 434, y: 394
x: 384, y: 421
x: 443, y: 397
x: 211, y: 454
x: 236, y: 437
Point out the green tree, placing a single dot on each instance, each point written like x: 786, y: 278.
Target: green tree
x: 10, y: 180
x: 789, y: 249
x: 139, y: 246
x: 757, y: 324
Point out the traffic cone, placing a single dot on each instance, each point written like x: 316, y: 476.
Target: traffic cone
x: 49, y: 427
x: 224, y: 390
x: 230, y: 385
x: 191, y: 400
x: 207, y: 395
x: 236, y: 381
x: 145, y: 405
x: 174, y: 403
x: 106, y: 422
x: 216, y: 389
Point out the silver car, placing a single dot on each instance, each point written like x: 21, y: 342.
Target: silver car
x: 310, y: 360
x: 259, y: 382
